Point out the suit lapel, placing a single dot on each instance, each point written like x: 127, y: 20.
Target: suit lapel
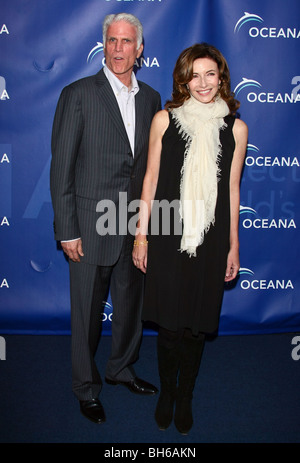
x: 107, y: 97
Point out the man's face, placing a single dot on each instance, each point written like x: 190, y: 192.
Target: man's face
x: 121, y: 50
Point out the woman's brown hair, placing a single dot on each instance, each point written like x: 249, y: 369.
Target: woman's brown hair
x: 183, y: 73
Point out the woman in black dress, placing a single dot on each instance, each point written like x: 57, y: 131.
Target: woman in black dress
x: 187, y: 235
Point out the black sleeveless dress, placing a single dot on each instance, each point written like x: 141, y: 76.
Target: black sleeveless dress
x: 183, y: 291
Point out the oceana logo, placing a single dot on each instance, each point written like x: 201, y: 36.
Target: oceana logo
x: 251, y: 283
x: 139, y: 63
x: 254, y: 158
x: 250, y: 219
x: 250, y: 20
x: 263, y: 96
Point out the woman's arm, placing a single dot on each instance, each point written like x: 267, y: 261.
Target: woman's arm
x: 240, y: 133
x: 159, y: 125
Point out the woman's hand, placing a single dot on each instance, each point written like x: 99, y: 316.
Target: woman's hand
x: 140, y: 253
x: 233, y: 265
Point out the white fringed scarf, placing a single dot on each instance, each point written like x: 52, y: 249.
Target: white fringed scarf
x: 200, y: 125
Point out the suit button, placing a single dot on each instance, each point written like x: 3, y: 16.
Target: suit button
x: 132, y: 176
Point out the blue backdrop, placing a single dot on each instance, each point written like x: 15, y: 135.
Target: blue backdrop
x: 47, y: 44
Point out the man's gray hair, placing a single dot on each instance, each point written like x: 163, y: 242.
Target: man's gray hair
x: 112, y: 18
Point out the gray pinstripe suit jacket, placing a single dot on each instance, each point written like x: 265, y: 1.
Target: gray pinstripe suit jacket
x: 92, y: 161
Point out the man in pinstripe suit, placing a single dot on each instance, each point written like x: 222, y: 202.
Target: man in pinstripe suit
x: 99, y: 149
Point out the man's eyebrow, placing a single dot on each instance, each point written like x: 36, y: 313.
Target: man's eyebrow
x: 125, y: 37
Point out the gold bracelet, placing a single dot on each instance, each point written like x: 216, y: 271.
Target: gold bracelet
x: 140, y: 243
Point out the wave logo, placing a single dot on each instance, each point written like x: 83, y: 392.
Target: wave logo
x: 252, y: 148
x: 247, y: 210
x: 245, y: 83
x: 94, y: 51
x: 248, y: 17
x: 245, y: 271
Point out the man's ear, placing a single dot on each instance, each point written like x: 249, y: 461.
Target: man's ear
x: 140, y: 50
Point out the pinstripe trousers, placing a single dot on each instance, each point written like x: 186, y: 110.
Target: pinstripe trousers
x: 89, y: 287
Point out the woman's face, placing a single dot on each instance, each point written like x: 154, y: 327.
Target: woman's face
x: 205, y: 82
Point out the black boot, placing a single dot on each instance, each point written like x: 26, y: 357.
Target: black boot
x: 168, y: 363
x: 190, y: 358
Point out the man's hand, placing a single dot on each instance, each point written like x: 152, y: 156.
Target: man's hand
x: 73, y: 249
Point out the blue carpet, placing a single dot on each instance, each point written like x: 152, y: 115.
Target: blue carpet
x: 247, y: 391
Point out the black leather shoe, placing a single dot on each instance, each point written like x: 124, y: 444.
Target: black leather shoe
x: 92, y: 410
x: 136, y: 385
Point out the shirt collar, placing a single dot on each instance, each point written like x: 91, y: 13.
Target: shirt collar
x: 117, y: 85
